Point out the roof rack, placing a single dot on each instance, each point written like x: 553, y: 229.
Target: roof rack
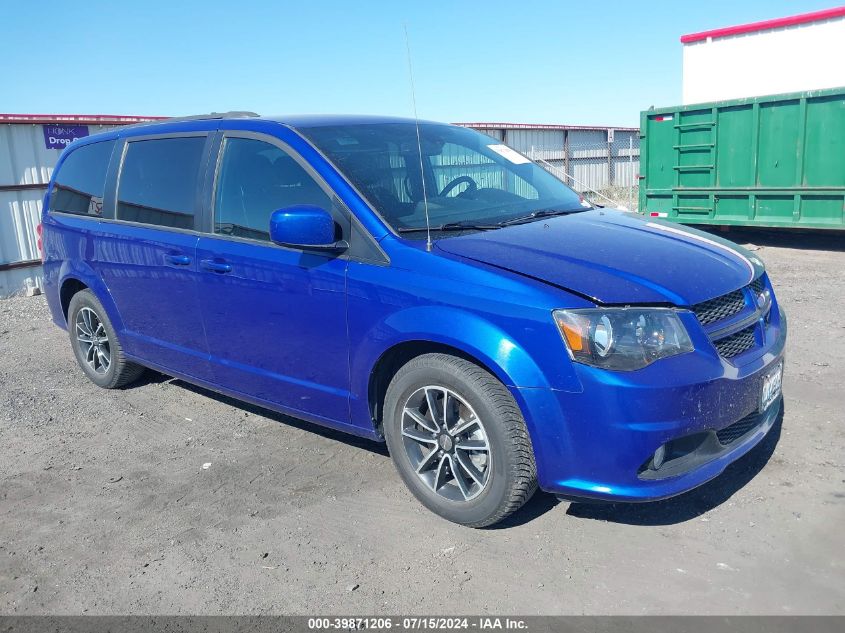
x: 233, y: 114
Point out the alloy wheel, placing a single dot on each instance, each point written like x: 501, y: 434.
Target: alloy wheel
x: 446, y: 443
x: 93, y: 340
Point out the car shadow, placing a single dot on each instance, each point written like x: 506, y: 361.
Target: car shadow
x: 694, y: 503
x: 678, y: 509
x: 379, y: 448
x: 820, y: 240
x: 537, y: 506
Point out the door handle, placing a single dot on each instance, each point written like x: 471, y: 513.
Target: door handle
x: 179, y: 260
x: 217, y: 267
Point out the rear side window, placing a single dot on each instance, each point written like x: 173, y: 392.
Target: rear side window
x: 81, y: 180
x: 158, y: 181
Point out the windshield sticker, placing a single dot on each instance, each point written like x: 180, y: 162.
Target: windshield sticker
x: 512, y: 155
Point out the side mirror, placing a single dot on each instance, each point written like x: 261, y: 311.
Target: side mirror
x: 305, y: 226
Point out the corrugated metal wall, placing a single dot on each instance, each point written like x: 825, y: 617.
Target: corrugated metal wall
x: 25, y: 169
x: 601, y: 163
x: 587, y: 156
x: 496, y: 134
x: 544, y: 144
x: 597, y: 159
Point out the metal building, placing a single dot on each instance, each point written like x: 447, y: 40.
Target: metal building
x: 791, y: 54
x: 603, y: 163
x: 30, y: 145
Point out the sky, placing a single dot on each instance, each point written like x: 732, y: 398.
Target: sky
x: 524, y: 61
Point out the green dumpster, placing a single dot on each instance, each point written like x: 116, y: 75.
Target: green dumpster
x: 774, y: 161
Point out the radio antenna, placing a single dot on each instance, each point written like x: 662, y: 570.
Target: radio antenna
x: 419, y: 142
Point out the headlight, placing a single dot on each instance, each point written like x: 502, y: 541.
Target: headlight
x: 622, y: 338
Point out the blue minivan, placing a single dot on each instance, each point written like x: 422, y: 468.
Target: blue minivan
x: 420, y: 284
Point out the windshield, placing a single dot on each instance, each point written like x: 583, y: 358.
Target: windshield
x: 469, y: 178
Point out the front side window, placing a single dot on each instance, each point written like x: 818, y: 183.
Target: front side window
x: 255, y: 179
x: 158, y: 181
x: 79, y: 185
x: 466, y: 176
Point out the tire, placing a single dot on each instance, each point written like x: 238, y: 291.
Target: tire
x: 490, y: 483
x: 86, y: 316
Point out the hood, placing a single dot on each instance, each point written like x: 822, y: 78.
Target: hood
x: 614, y: 257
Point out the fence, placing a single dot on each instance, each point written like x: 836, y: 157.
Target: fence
x: 602, y: 163
x: 605, y: 173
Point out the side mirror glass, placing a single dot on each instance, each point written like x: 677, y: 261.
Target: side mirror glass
x: 305, y: 226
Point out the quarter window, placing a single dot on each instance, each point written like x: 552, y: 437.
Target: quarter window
x: 81, y: 180
x: 255, y: 179
x: 158, y: 181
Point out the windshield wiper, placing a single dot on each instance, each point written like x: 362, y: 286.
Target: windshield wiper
x: 542, y: 213
x: 450, y: 226
x: 472, y: 226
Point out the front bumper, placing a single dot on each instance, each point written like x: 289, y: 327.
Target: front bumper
x: 595, y: 444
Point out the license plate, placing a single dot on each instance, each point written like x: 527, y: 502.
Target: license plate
x: 771, y: 387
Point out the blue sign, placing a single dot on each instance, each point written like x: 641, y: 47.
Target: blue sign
x: 60, y: 136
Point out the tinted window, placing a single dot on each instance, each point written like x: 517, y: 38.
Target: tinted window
x: 158, y: 181
x: 255, y: 179
x: 81, y: 180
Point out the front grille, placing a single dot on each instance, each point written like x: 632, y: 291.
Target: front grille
x: 727, y: 305
x: 719, y: 308
x: 736, y: 343
x: 732, y: 433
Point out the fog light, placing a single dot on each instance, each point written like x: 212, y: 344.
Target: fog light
x: 659, y: 457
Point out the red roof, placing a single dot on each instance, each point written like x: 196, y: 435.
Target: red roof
x: 544, y: 126
x: 777, y: 23
x: 80, y: 119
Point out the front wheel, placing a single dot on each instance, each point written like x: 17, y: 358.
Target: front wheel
x: 458, y: 440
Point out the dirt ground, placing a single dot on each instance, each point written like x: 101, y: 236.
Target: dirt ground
x: 107, y: 507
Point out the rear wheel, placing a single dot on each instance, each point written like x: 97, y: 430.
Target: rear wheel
x: 458, y: 440
x: 95, y: 343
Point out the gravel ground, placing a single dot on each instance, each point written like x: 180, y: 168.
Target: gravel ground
x: 107, y: 504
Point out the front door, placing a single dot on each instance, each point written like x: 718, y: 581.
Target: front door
x: 275, y: 318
